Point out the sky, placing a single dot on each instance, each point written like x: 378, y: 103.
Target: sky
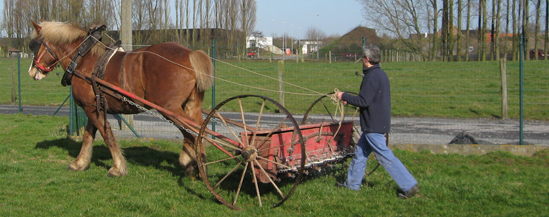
x: 274, y: 17
x: 333, y: 17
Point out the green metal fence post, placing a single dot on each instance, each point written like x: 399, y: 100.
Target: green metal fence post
x: 213, y: 86
x: 521, y: 92
x: 59, y: 108
x: 19, y: 78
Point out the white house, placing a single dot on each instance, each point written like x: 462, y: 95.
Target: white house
x: 266, y: 43
x: 309, y: 46
x: 259, y: 42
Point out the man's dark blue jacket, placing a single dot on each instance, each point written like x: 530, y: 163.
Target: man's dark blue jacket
x: 374, y: 101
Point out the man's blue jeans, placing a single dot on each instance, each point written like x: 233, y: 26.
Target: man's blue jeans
x: 376, y: 142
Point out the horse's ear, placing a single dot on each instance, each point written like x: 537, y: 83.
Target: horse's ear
x: 36, y: 26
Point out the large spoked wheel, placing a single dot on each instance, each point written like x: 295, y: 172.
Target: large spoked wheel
x: 242, y: 161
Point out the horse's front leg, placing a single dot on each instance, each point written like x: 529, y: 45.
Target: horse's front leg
x: 119, y: 162
x: 82, y: 162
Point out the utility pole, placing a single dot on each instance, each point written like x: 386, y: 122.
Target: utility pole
x: 126, y: 25
x: 126, y: 37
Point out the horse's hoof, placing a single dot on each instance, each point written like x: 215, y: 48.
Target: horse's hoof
x: 113, y: 172
x: 74, y: 167
x: 192, y: 173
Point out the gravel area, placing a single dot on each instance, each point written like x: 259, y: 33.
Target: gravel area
x: 404, y: 130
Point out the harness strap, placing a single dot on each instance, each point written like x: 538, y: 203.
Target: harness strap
x: 99, y: 73
x: 101, y: 64
x: 122, y: 71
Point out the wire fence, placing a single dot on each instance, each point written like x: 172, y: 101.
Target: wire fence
x: 432, y: 102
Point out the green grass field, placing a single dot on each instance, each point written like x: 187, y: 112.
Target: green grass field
x: 35, y: 153
x: 426, y: 89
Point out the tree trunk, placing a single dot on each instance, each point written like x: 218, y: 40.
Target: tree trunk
x: 458, y: 40
x: 468, y: 25
x: 525, y: 31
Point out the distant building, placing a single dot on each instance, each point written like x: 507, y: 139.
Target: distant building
x: 259, y: 42
x: 309, y: 46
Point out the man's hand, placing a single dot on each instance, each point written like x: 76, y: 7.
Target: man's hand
x: 338, y: 95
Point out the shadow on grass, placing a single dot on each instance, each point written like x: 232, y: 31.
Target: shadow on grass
x: 140, y: 155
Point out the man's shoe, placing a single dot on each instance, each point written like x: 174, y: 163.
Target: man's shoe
x: 340, y: 185
x: 410, y: 193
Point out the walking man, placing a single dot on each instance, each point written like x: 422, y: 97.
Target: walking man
x: 374, y: 101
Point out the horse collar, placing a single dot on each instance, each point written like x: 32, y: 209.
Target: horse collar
x: 94, y: 35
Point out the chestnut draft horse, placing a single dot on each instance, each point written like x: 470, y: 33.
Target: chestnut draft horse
x: 168, y: 75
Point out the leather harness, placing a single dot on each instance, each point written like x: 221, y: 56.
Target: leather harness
x: 95, y: 34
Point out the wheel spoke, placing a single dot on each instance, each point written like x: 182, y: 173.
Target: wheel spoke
x: 228, y: 127
x: 270, y: 180
x: 240, y: 184
x: 224, y: 143
x: 272, y: 131
x: 217, y: 161
x: 255, y: 182
x: 327, y: 110
x: 258, y: 120
x: 243, y: 120
x: 277, y: 163
x: 229, y: 173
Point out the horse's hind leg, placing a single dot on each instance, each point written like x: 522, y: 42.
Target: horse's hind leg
x: 187, y: 158
x: 82, y: 162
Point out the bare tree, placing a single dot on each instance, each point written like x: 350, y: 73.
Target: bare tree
x: 400, y: 18
x: 458, y: 40
x: 248, y: 20
x: 525, y: 30
x: 546, y: 47
x: 434, y: 20
x: 497, y: 28
x: 482, y: 36
x: 536, y: 31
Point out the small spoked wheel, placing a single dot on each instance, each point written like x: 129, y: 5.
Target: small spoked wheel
x: 252, y: 157
x: 325, y: 110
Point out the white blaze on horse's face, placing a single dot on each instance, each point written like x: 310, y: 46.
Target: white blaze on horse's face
x: 36, y: 74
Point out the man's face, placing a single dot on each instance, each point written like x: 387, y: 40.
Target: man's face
x: 365, y: 63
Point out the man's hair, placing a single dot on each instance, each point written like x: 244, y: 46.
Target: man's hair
x: 373, y: 53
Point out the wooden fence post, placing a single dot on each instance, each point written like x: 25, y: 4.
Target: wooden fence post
x: 12, y: 84
x: 280, y: 81
x: 503, y: 70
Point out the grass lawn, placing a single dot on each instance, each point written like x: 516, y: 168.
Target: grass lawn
x: 35, y: 153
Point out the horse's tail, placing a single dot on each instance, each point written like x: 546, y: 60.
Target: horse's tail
x: 203, y: 69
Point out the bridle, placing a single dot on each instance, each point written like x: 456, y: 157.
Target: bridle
x: 35, y: 45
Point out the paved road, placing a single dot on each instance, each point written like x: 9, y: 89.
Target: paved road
x: 404, y: 130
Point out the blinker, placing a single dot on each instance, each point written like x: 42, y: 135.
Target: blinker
x: 34, y: 45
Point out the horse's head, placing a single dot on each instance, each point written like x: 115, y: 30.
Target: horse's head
x: 44, y: 59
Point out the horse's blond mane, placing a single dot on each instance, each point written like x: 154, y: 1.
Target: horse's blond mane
x: 62, y: 33
x: 59, y: 32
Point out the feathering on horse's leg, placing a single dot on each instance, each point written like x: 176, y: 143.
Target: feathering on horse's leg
x: 188, y: 157
x: 119, y: 162
x: 82, y: 162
